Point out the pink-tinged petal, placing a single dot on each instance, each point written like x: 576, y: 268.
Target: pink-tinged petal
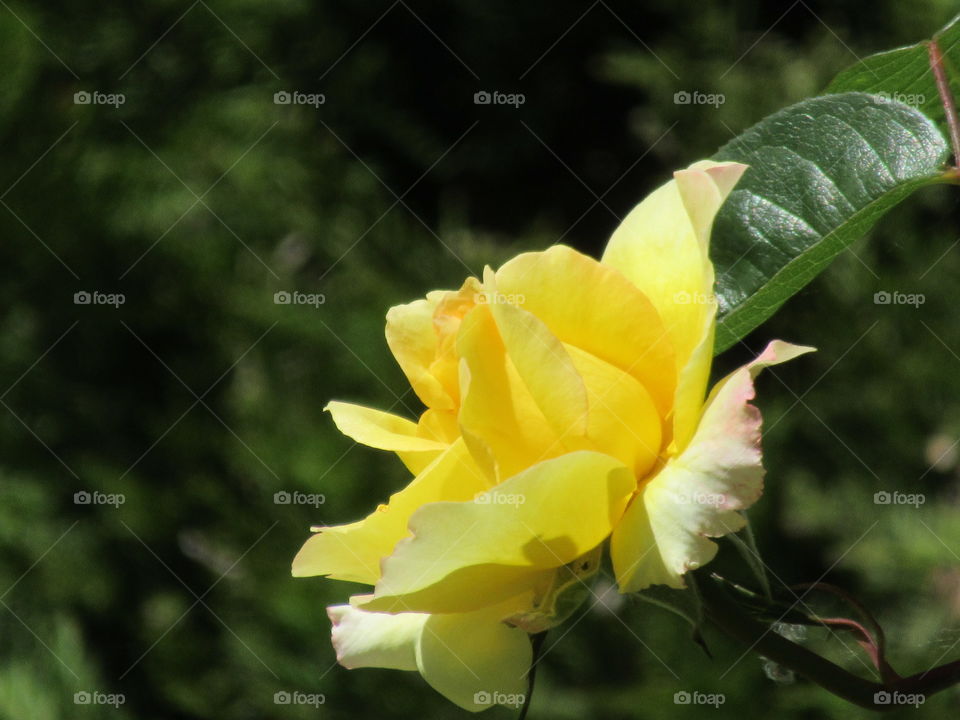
x: 474, y: 659
x: 366, y: 639
x: 698, y: 495
x: 703, y: 188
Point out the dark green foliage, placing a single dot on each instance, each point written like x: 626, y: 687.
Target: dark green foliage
x: 106, y: 399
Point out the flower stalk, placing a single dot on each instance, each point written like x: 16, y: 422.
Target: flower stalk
x: 735, y: 622
x: 946, y: 98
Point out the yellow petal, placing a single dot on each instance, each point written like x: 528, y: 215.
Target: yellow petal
x: 366, y: 639
x: 691, y: 386
x: 588, y: 402
x: 696, y: 496
x: 545, y: 368
x: 421, y: 336
x: 380, y: 429
x: 703, y: 187
x: 413, y: 342
x: 622, y: 420
x: 637, y: 561
x: 507, y: 540
x: 500, y: 421
x: 475, y: 660
x: 439, y: 426
x: 595, y: 308
x: 353, y: 552
x: 662, y: 247
x: 417, y: 444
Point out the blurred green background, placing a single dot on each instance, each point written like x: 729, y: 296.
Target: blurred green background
x: 199, y: 197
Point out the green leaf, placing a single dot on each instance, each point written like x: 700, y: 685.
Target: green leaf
x: 686, y: 603
x: 822, y: 172
x: 747, y: 547
x: 567, y: 592
x: 904, y: 74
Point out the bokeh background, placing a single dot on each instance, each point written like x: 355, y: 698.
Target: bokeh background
x: 198, y: 198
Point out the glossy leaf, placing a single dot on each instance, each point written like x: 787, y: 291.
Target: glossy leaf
x: 904, y: 74
x: 822, y: 172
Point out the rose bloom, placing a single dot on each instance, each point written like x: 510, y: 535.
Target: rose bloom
x: 566, y: 407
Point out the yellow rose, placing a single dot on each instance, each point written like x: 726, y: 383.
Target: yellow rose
x: 565, y: 407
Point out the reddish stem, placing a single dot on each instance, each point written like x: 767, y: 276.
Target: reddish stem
x: 736, y: 623
x: 874, y: 643
x: 946, y: 96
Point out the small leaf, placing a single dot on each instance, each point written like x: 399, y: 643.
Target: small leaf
x: 822, y: 172
x: 747, y: 547
x: 686, y: 603
x: 567, y: 591
x: 904, y: 74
